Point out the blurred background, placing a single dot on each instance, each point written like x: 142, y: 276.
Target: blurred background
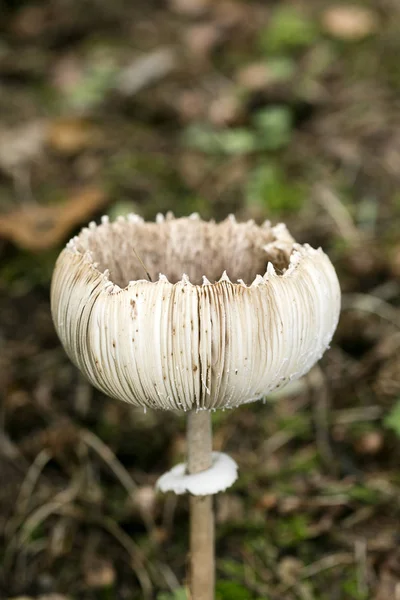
x: 287, y: 110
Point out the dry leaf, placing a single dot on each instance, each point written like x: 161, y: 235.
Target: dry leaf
x: 146, y: 70
x: 192, y: 105
x: 30, y: 21
x: 21, y: 146
x: 229, y: 13
x: 201, y: 39
x: 99, y: 573
x: 255, y: 76
x: 395, y: 261
x: 38, y: 227
x: 190, y: 8
x: 71, y: 135
x: 371, y: 442
x: 350, y: 23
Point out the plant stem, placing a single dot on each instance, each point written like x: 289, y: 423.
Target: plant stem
x: 202, y: 560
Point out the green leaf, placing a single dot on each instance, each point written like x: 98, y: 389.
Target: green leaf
x: 231, y: 590
x: 274, y: 126
x: 392, y: 420
x: 96, y: 83
x: 351, y: 587
x: 178, y: 594
x: 268, y: 187
x: 364, y: 494
x: 292, y: 530
x: 288, y: 29
x: 282, y: 68
x: 230, y: 141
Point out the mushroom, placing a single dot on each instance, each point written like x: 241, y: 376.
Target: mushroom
x: 228, y: 313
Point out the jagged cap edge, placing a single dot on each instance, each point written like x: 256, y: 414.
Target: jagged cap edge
x: 279, y: 231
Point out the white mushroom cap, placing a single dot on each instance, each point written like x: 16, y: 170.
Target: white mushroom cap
x: 182, y: 341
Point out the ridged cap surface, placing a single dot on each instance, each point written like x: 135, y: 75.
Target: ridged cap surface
x: 233, y: 311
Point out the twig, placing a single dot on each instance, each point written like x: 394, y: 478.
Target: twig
x: 326, y: 563
x: 373, y: 305
x: 360, y: 552
x: 146, y: 70
x: 338, y: 213
x: 277, y: 441
x: 357, y: 415
x: 30, y: 481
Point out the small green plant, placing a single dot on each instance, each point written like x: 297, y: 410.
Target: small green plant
x: 229, y: 141
x: 231, y: 590
x: 288, y: 29
x: 351, y: 587
x: 97, y: 81
x: 178, y: 594
x: 274, y: 127
x: 292, y: 530
x: 392, y: 419
x: 269, y: 188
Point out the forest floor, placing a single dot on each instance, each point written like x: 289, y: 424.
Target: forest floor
x: 283, y: 110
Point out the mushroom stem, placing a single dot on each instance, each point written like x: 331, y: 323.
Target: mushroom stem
x: 202, y: 560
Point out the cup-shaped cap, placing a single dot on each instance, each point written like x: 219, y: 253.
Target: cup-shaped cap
x: 233, y: 310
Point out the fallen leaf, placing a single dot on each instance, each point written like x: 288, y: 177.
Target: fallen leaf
x: 71, y: 135
x: 99, y: 573
x: 146, y: 70
x: 30, y: 21
x: 230, y: 13
x: 21, y: 146
x: 261, y: 75
x: 66, y: 73
x: 201, y: 39
x: 395, y: 261
x: 289, y: 569
x: 224, y: 110
x: 190, y: 8
x: 38, y: 227
x: 192, y: 105
x: 349, y: 23
x: 255, y: 76
x: 370, y: 442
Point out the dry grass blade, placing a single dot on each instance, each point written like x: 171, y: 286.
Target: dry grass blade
x: 26, y: 491
x: 30, y: 481
x: 324, y: 564
x: 357, y: 415
x: 371, y: 304
x: 108, y: 456
x: 134, y: 552
x: 338, y: 213
x: 328, y: 562
x: 143, y: 265
x: 168, y: 575
x: 36, y: 518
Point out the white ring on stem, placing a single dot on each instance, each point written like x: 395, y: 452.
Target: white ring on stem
x: 220, y: 476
